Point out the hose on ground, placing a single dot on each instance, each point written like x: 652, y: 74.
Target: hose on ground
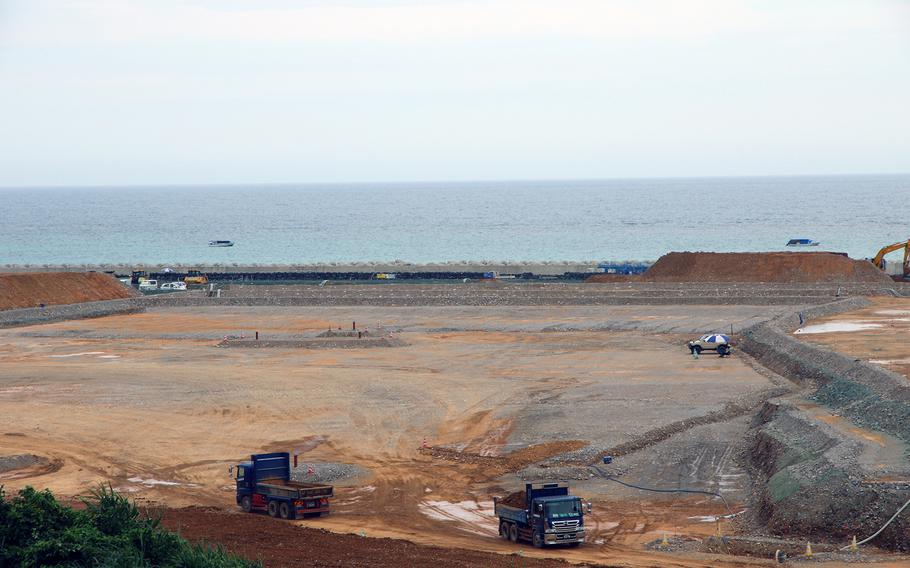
x: 879, y: 531
x: 614, y: 479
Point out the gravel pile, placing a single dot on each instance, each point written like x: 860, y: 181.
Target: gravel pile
x: 326, y: 472
x: 315, y: 343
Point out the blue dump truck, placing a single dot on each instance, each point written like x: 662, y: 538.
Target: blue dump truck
x: 264, y: 484
x: 543, y: 514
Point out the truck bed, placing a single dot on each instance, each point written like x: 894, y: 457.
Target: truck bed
x: 509, y: 513
x: 294, y: 489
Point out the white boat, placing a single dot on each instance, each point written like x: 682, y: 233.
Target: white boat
x: 802, y: 243
x: 221, y: 243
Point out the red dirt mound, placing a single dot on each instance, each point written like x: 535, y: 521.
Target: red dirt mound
x: 280, y: 544
x: 29, y: 289
x: 781, y: 267
x: 517, y: 499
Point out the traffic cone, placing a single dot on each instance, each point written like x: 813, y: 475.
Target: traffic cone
x: 808, y: 550
x: 853, y: 546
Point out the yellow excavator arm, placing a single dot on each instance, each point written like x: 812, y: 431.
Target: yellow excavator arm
x: 877, y: 261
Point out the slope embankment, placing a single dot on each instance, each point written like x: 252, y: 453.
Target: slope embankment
x: 838, y: 469
x: 29, y: 290
x: 34, y: 298
x: 772, y: 267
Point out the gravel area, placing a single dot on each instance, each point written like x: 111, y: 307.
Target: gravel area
x: 19, y: 461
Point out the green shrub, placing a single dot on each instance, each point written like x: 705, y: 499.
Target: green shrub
x: 38, y: 531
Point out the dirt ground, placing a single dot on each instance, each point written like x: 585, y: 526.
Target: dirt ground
x: 148, y: 403
x: 878, y: 334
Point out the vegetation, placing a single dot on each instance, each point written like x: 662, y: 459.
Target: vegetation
x: 110, y: 532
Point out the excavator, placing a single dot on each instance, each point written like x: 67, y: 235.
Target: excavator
x: 879, y: 259
x: 195, y: 278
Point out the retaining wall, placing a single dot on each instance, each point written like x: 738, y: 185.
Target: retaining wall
x: 869, y: 395
x: 814, y: 484
x: 49, y: 314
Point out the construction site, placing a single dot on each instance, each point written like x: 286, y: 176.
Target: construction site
x: 426, y: 404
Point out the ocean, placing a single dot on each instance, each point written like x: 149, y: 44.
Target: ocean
x: 532, y: 221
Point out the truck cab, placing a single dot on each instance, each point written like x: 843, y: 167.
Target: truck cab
x: 550, y: 516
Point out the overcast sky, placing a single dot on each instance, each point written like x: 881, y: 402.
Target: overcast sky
x: 221, y: 91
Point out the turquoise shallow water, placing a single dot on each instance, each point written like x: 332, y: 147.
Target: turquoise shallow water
x: 434, y: 222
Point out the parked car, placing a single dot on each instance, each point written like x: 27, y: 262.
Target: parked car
x: 174, y: 286
x: 148, y: 285
x: 711, y: 342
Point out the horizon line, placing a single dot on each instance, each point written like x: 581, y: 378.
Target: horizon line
x: 439, y: 181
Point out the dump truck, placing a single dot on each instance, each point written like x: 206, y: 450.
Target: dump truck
x: 264, y: 484
x: 544, y: 514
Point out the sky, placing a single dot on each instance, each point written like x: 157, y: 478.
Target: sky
x: 108, y: 92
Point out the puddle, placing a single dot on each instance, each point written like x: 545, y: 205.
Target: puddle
x: 715, y: 518
x: 477, y: 517
x: 153, y: 482
x: 11, y: 390
x: 76, y: 354
x: 836, y: 327
x: 890, y: 361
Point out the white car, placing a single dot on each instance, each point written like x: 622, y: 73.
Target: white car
x: 148, y: 285
x: 712, y: 341
x: 174, y: 286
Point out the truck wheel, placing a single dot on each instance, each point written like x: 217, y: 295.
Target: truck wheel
x: 513, y: 532
x: 537, y: 540
x: 273, y: 508
x: 284, y: 511
x: 246, y: 504
x: 504, y: 530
